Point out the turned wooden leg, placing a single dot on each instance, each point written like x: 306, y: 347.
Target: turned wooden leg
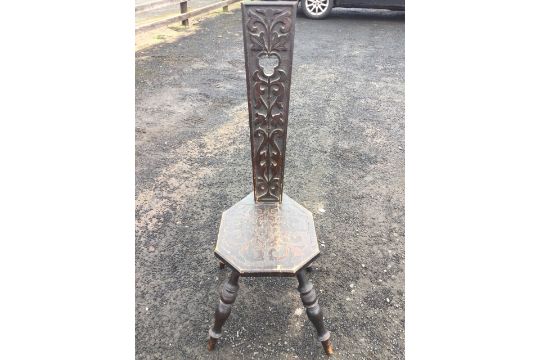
x: 223, y: 310
x: 313, y: 310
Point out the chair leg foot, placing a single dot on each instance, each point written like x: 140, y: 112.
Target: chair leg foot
x: 212, y: 343
x: 221, y: 265
x: 328, y: 348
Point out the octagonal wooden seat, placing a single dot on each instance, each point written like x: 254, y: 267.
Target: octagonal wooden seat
x: 265, y: 239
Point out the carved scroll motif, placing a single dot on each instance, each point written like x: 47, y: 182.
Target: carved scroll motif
x: 268, y: 42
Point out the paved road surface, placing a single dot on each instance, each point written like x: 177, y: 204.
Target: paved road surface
x: 344, y: 155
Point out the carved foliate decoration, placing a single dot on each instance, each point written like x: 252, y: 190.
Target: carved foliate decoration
x: 268, y: 46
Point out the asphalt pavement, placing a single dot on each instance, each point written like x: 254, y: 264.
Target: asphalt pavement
x: 344, y: 163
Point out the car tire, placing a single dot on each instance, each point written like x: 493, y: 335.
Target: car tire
x: 317, y: 9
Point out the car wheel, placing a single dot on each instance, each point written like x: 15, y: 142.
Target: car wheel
x: 316, y: 9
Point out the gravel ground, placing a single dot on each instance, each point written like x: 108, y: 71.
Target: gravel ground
x: 345, y: 163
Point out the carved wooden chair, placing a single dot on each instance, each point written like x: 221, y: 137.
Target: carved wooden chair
x: 267, y: 233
